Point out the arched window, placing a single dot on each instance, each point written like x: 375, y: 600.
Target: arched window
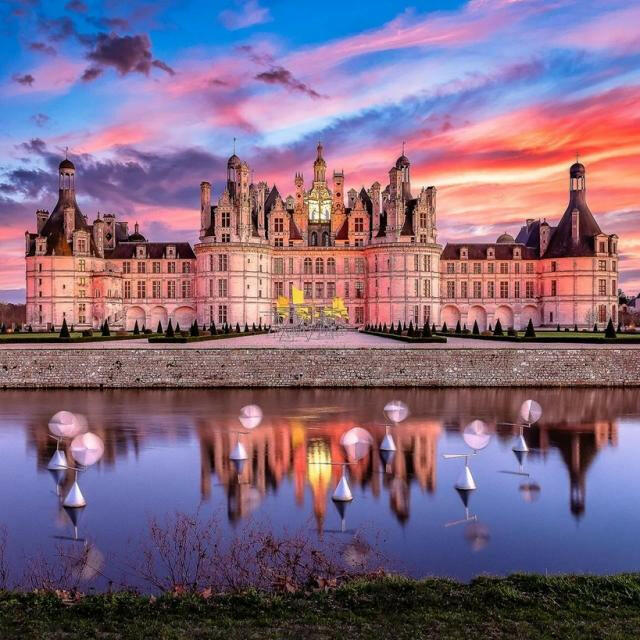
x: 319, y: 265
x: 308, y: 266
x: 314, y: 239
x: 331, y: 265
x: 325, y: 239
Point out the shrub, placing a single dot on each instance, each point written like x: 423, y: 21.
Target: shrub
x: 444, y: 329
x: 105, y: 329
x: 575, y: 328
x: 29, y: 329
x: 170, y: 332
x: 426, y: 331
x: 619, y: 330
x: 410, y: 329
x: 87, y: 333
x: 498, y: 330
x: 144, y: 328
x: 511, y: 332
x: 476, y: 329
x: 433, y: 328
x: 260, y: 324
x: 226, y: 328
x: 64, y: 331
x: 253, y: 326
x: 610, y: 332
x: 458, y: 327
x: 213, y: 329
x: 159, y: 328
x: 392, y: 329
x: 136, y: 330
x: 490, y: 328
x: 384, y: 328
x: 237, y: 327
x: 3, y: 328
x: 246, y: 328
x: 530, y: 332
x: 195, y: 330
x: 178, y: 329
x: 566, y: 329
x: 558, y: 328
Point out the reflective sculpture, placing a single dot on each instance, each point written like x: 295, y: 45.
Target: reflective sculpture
x: 396, y: 411
x: 477, y: 437
x: 86, y: 449
x: 250, y: 416
x: 342, y: 492
x: 62, y: 424
x: 238, y: 452
x: 357, y: 443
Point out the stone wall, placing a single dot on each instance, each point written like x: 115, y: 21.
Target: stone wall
x: 148, y: 368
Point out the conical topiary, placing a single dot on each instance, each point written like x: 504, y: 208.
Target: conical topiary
x: 177, y: 327
x: 159, y: 328
x: 575, y: 328
x: 595, y: 328
x: 530, y: 332
x: 558, y: 328
x: 458, y: 327
x: 226, y: 328
x: 610, y: 332
x: 490, y: 328
x: 476, y: 329
x: 498, y: 330
x: 433, y: 328
x: 237, y: 327
x: 392, y: 329
x: 384, y: 328
x: 426, y: 331
x: 253, y: 326
x: 105, y: 329
x: 444, y: 329
x: 246, y: 328
x: 170, y: 332
x: 260, y: 324
x: 213, y: 329
x: 136, y: 330
x: 195, y: 331
x: 64, y: 331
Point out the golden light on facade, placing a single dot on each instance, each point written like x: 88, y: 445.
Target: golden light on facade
x: 318, y: 464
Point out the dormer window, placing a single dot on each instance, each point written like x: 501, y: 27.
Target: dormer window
x: 171, y: 251
x: 491, y: 252
x: 140, y: 251
x: 464, y: 253
x: 517, y: 253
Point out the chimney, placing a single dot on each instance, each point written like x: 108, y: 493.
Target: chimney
x: 545, y: 236
x: 205, y: 206
x: 41, y: 219
x: 575, y: 226
x: 69, y: 221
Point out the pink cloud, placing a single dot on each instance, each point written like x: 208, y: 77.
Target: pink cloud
x: 249, y: 14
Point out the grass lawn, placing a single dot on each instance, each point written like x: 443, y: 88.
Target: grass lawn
x: 521, y: 606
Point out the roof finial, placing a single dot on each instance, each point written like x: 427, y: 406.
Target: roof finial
x: 403, y: 143
x: 234, y: 146
x: 577, y: 156
x: 66, y: 153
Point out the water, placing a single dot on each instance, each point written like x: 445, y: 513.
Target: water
x: 167, y: 451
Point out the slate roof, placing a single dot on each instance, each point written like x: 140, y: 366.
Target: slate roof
x: 155, y: 250
x: 478, y: 251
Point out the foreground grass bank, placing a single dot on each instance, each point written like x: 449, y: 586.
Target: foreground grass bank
x: 520, y: 606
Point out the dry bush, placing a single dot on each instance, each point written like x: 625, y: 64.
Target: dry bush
x: 64, y: 572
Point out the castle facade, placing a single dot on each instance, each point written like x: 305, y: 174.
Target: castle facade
x: 376, y: 248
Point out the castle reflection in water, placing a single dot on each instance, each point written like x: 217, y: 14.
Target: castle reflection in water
x: 300, y: 430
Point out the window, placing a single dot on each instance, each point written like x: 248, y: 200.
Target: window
x: 278, y: 266
x: 225, y: 219
x: 463, y: 267
x: 222, y: 313
x: 491, y: 289
x: 426, y: 313
x: 602, y: 249
x: 423, y: 238
x: 278, y: 225
x: 477, y: 289
x: 223, y: 262
x: 554, y: 288
x: 451, y: 267
x: 186, y: 288
x: 516, y: 289
x: 358, y: 225
x: 602, y: 313
x: 359, y: 242
x: 477, y: 267
x: 126, y: 267
x: 346, y: 265
x: 451, y: 289
x: 222, y: 288
x: 331, y: 265
x: 319, y: 266
x: 614, y: 290
x: 210, y: 265
x: 423, y: 218
x: 319, y: 289
x: 426, y: 263
x: 278, y: 242
x: 426, y: 288
x: 142, y: 289
x: 331, y: 289
x: 416, y: 288
x: 504, y: 289
x: 155, y: 286
x: 346, y: 289
x: 359, y: 265
x: 82, y: 245
x: 291, y: 265
x: 307, y: 265
x: 504, y: 267
x: 516, y: 267
x: 171, y: 267
x: 491, y: 267
x: 613, y: 265
x: 308, y: 290
x: 359, y: 289
x: 529, y: 267
x: 554, y: 266
x: 278, y: 289
x: 528, y: 289
x: 81, y: 265
x: 127, y: 289
x: 155, y: 267
x: 464, y: 289
x: 602, y: 265
x: 186, y: 267
x: 211, y: 294
x: 416, y: 263
x: 171, y: 289
x: 226, y: 238
x: 602, y: 287
x: 142, y: 267
x: 359, y: 315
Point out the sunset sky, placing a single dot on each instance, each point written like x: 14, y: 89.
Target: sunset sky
x: 493, y: 97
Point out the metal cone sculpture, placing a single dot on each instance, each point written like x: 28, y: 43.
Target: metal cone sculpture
x: 238, y: 452
x: 396, y: 411
x: 86, y: 449
x: 342, y: 491
x: 477, y: 437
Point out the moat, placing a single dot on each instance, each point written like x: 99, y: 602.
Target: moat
x: 168, y: 451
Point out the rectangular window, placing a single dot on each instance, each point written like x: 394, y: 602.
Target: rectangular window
x: 416, y: 288
x: 319, y: 289
x: 126, y: 267
x: 358, y: 225
x: 222, y: 313
x: 291, y: 265
x: 171, y: 289
x: 426, y: 288
x: 278, y: 266
x: 278, y: 289
x: 186, y: 288
x: 516, y: 267
x: 463, y: 267
x: 491, y: 289
x: 278, y: 225
x: 614, y: 290
x: 602, y: 248
x: 171, y: 267
x: 211, y: 294
x: 554, y: 288
x: 156, y: 288
x: 602, y: 313
x: 491, y: 267
x: 346, y: 289
x: 464, y: 289
x: 516, y: 289
x: 308, y: 289
x: 142, y: 289
x: 127, y: 289
x: 186, y: 267
x: 278, y: 242
x: 223, y: 262
x: 81, y: 265
x: 331, y: 289
x: 359, y: 265
x: 613, y: 265
x: 423, y: 218
x: 504, y: 289
x: 504, y: 267
x: 602, y: 287
x: 346, y: 265
x: 222, y: 288
x: 426, y: 263
x: 477, y: 267
x: 416, y: 263
x: 142, y: 267
x: 529, y: 267
x: 602, y: 265
x: 210, y: 265
x: 528, y: 292
x: 451, y: 267
x: 359, y: 289
x: 477, y: 289
x: 359, y: 315
x: 155, y: 267
x: 225, y: 219
x: 359, y: 242
x: 451, y: 289
x: 226, y: 238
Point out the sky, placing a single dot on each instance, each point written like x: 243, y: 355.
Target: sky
x: 493, y: 98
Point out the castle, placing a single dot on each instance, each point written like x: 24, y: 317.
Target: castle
x: 376, y: 248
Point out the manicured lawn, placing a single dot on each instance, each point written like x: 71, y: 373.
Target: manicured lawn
x: 521, y: 606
